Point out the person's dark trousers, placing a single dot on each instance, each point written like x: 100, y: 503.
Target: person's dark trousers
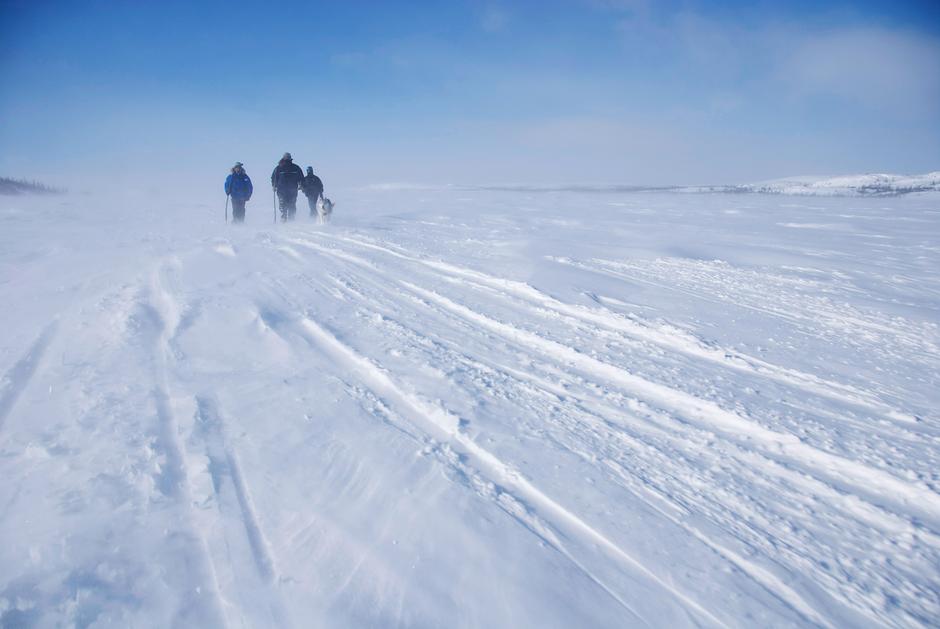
x: 288, y: 203
x: 312, y: 202
x: 238, y: 210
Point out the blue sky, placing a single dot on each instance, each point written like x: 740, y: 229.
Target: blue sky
x: 583, y: 91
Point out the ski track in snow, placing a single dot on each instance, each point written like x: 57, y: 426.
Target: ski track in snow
x: 227, y: 477
x: 225, y: 466
x: 513, y: 493
x: 710, y: 284
x: 686, y: 481
x: 174, y: 479
x: 890, y: 492
x: 697, y: 409
x: 675, y: 340
x: 225, y: 470
x: 672, y: 339
x: 708, y: 414
x: 19, y: 375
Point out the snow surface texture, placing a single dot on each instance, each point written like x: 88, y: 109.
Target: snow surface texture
x: 472, y: 409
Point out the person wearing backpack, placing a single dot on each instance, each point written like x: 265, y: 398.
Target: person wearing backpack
x: 238, y: 187
x: 286, y: 180
x: 312, y: 187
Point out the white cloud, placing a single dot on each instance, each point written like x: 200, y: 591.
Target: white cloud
x: 875, y: 67
x: 878, y: 68
x: 494, y: 19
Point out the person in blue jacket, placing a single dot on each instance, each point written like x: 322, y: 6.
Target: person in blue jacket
x: 238, y: 186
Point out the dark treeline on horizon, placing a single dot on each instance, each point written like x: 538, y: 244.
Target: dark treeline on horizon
x: 23, y: 186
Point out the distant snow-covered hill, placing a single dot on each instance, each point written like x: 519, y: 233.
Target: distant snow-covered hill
x: 850, y: 185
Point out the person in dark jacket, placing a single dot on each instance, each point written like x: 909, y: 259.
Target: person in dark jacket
x: 286, y: 180
x: 313, y: 188
x: 238, y: 186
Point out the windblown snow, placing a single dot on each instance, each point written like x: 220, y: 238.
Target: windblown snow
x: 472, y: 409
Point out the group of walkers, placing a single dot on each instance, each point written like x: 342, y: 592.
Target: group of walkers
x: 287, y: 179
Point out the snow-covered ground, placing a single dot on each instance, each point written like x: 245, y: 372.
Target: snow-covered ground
x: 471, y: 409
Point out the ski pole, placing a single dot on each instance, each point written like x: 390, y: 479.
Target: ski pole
x: 226, y: 209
